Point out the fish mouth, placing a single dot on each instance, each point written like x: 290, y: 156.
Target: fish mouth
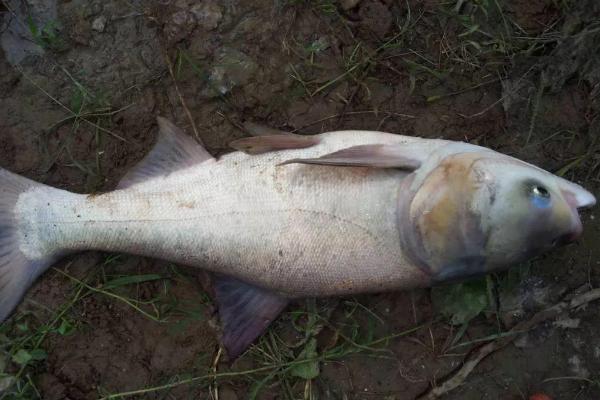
x: 576, y: 199
x: 571, y: 236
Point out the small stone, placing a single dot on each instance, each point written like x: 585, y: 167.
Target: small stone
x: 577, y: 367
x: 6, y: 382
x: 99, y: 24
x: 376, y: 17
x: 97, y: 8
x: 319, y: 45
x: 349, y: 4
x: 208, y: 15
x: 227, y: 393
x: 232, y: 68
x: 202, y: 49
x: 522, y: 341
x: 567, y: 323
x: 181, y: 25
x: 81, y: 32
x: 51, y: 386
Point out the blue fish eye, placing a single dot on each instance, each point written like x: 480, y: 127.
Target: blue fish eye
x: 540, y: 197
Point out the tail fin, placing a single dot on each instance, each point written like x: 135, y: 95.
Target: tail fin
x: 17, y: 272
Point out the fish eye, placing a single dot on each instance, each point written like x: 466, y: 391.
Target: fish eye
x: 540, y: 196
x: 540, y: 191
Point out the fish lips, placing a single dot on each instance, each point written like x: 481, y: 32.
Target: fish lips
x: 577, y: 198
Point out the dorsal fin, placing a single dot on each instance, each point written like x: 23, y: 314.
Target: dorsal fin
x: 264, y: 144
x: 245, y: 312
x: 174, y: 150
x: 368, y: 155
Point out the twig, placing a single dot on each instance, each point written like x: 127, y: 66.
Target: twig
x: 569, y: 378
x: 268, y: 368
x: 431, y: 99
x: 347, y: 103
x: 181, y: 99
x: 501, y: 99
x: 535, y: 109
x: 458, y: 377
x: 215, y: 363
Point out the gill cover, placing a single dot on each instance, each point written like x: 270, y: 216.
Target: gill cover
x: 439, y: 225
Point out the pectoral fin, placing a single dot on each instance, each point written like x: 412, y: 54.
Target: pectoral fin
x: 370, y: 155
x: 245, y: 312
x: 266, y: 143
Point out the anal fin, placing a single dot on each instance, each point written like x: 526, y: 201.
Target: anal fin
x: 245, y: 312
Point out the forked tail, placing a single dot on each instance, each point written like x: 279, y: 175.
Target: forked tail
x: 17, y: 272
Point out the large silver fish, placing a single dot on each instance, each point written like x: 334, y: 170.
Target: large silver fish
x: 290, y: 216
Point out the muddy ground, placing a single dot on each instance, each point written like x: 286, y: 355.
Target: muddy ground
x: 82, y: 82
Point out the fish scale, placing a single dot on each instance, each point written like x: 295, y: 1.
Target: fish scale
x: 331, y: 232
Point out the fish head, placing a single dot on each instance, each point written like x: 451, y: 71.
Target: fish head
x: 476, y: 211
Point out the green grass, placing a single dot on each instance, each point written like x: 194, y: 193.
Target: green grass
x: 46, y: 36
x: 479, y: 44
x: 292, y: 366
x: 87, y: 113
x: 24, y: 336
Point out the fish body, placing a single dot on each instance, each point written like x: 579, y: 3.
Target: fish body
x: 297, y: 229
x: 335, y: 214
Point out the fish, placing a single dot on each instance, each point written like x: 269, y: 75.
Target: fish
x: 287, y: 216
